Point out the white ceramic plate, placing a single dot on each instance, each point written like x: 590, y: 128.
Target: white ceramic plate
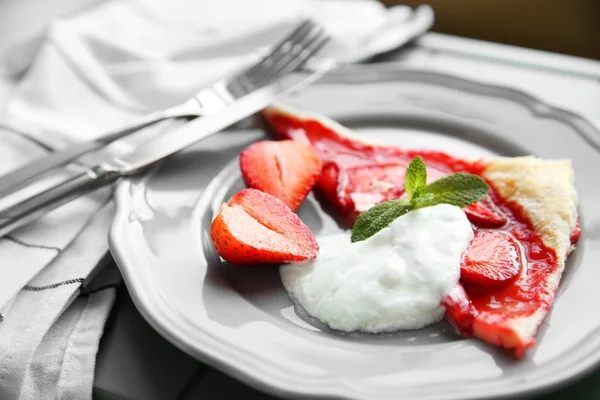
x: 241, y: 321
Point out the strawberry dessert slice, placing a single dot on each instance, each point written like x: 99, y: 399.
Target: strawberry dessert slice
x: 285, y: 169
x: 255, y: 227
x: 525, y: 228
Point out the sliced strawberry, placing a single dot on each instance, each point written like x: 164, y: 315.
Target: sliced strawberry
x: 485, y: 214
x: 492, y: 258
x: 255, y: 227
x: 361, y: 188
x: 286, y: 169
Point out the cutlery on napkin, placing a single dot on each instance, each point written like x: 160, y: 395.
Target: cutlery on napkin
x: 97, y: 71
x: 336, y: 53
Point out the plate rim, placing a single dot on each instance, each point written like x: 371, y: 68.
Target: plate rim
x: 157, y: 316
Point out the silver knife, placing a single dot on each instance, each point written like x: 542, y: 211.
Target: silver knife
x: 124, y: 158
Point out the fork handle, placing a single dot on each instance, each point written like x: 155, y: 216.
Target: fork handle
x: 33, y: 207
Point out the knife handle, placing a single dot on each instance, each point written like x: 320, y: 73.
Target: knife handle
x: 33, y: 207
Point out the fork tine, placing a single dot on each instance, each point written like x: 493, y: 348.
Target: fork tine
x: 250, y: 79
x: 282, y: 48
x: 288, y: 55
x: 303, y: 51
x: 299, y: 51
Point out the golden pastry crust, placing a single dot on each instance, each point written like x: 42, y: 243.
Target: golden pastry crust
x: 545, y: 191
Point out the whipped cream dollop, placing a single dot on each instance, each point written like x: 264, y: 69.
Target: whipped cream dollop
x: 395, y: 280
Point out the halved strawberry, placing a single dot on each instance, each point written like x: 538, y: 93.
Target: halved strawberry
x: 286, y: 169
x: 485, y: 214
x: 492, y: 258
x: 255, y: 227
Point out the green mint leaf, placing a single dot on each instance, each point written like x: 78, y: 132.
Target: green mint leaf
x: 422, y: 201
x: 459, y: 189
x: 416, y: 177
x: 376, y: 218
x: 418, y: 192
x: 402, y: 202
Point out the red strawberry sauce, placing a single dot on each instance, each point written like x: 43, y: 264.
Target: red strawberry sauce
x: 344, y: 159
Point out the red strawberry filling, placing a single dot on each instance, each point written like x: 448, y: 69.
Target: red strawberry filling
x: 500, y: 282
x: 361, y: 188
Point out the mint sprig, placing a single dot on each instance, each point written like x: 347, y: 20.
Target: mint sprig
x: 416, y: 178
x: 459, y: 189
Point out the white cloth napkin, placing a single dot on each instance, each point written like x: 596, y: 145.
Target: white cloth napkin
x: 96, y: 71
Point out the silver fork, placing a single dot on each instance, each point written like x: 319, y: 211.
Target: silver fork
x: 220, y: 105
x: 286, y: 56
